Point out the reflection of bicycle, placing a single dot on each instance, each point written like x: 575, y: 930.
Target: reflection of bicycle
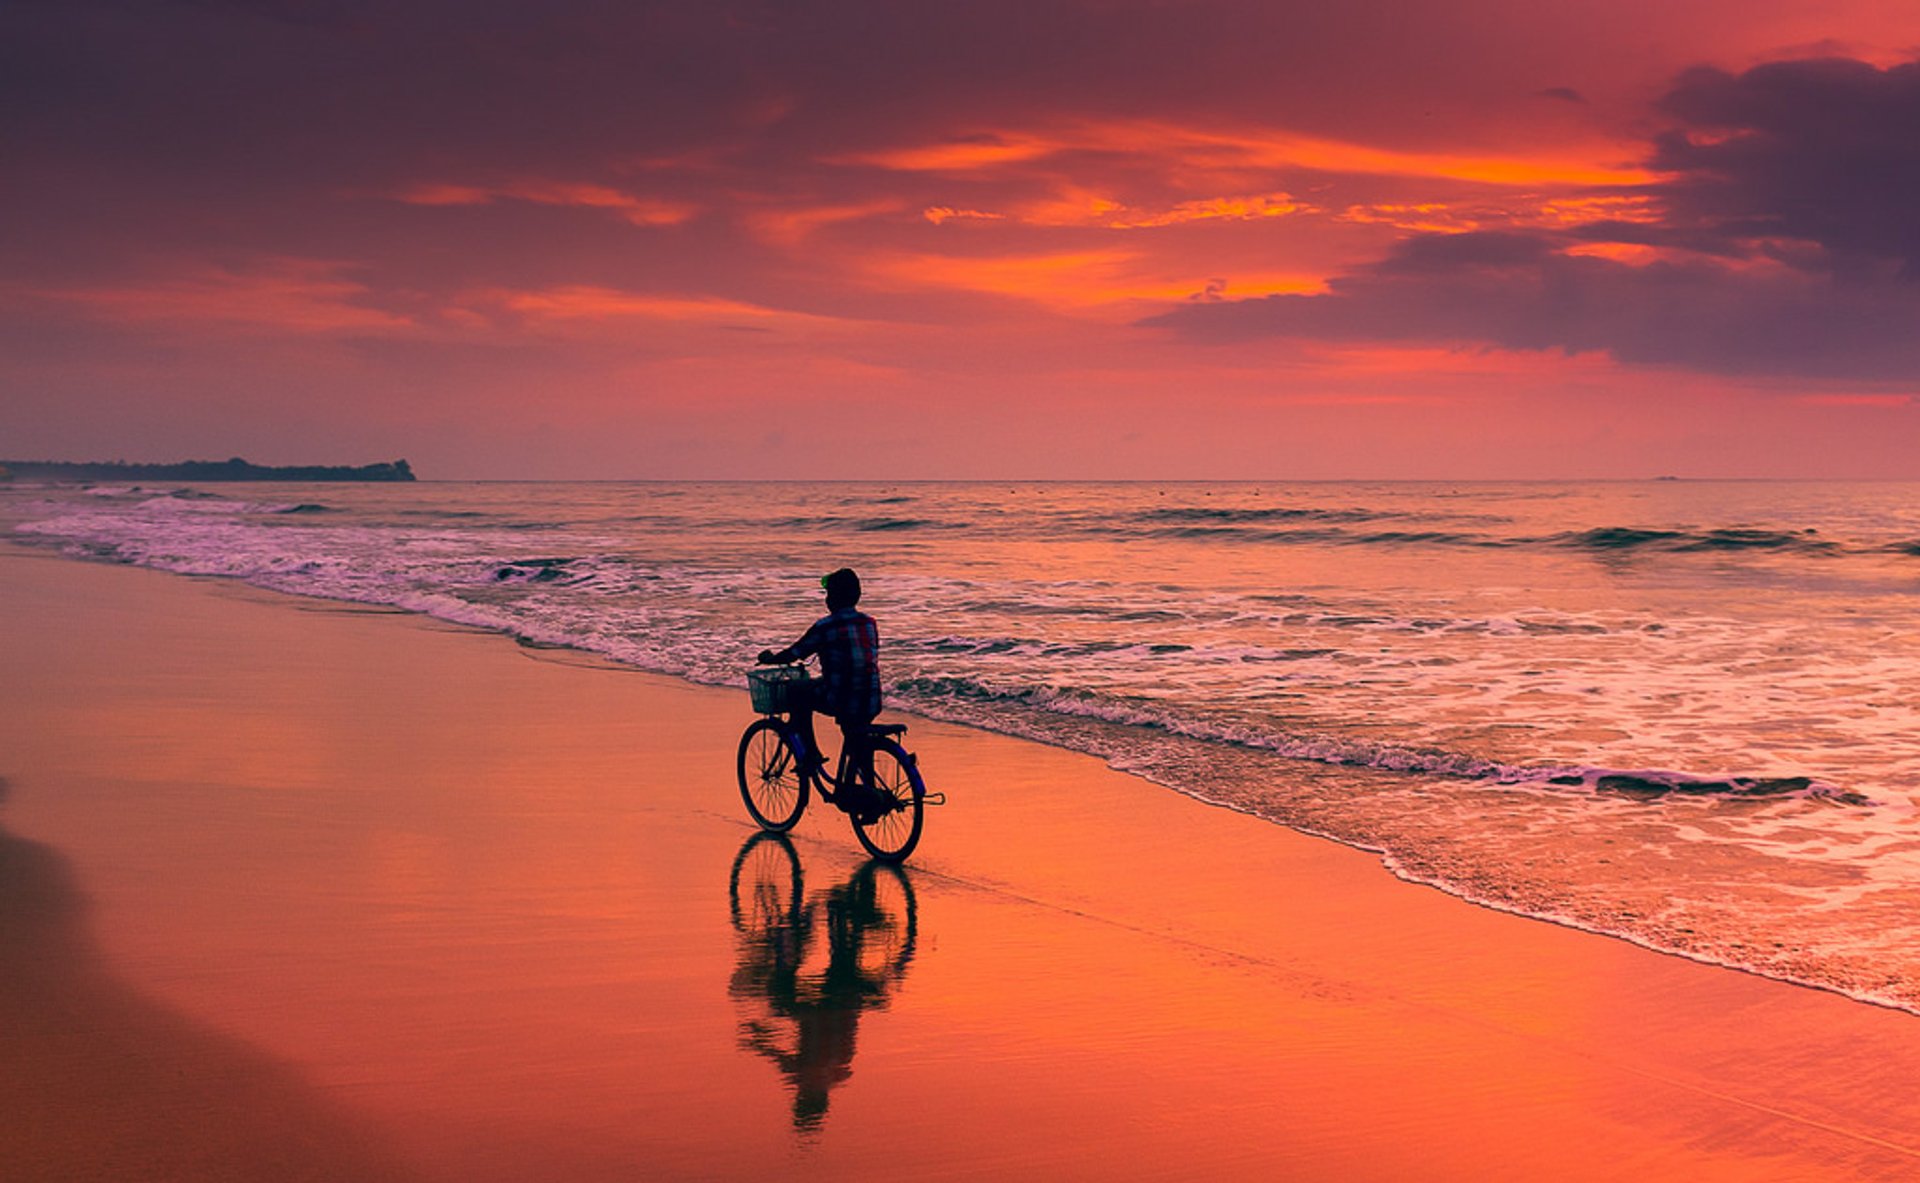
x: 879, y: 788
x: 801, y: 1003
x: 766, y: 897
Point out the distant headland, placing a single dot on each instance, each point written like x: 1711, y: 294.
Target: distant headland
x: 235, y: 469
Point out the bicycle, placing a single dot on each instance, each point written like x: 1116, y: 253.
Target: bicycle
x: 776, y: 780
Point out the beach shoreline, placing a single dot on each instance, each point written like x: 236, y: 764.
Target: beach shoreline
x: 417, y: 875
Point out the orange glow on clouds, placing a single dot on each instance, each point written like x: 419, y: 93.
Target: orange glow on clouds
x: 1227, y: 209
x: 1582, y: 211
x: 1081, y: 207
x: 964, y: 154
x: 790, y: 227
x: 1426, y: 217
x: 1631, y: 253
x: 1081, y: 281
x: 1190, y: 147
x: 638, y: 210
x: 600, y: 304
x: 941, y: 213
x: 1279, y: 149
x: 1556, y: 213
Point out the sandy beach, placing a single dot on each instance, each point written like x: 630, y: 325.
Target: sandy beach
x: 291, y: 889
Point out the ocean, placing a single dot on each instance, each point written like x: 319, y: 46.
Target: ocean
x: 1682, y: 713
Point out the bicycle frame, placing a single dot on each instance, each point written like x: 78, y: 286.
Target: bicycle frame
x: 824, y: 783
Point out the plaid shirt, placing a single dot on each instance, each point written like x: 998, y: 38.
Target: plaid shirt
x: 848, y: 643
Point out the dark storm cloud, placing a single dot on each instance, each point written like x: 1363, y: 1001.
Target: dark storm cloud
x: 1788, y: 245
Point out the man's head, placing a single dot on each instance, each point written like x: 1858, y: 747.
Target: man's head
x: 843, y: 589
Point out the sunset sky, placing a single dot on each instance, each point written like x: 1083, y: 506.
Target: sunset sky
x: 1246, y: 239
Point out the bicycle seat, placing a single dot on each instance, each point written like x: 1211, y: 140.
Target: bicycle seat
x: 886, y: 728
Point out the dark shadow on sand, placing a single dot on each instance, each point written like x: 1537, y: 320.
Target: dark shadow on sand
x: 99, y: 1082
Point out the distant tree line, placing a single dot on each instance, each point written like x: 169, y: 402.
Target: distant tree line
x: 235, y: 469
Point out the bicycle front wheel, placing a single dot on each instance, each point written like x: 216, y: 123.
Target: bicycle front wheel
x: 763, y: 893
x: 770, y: 780
x: 893, y: 834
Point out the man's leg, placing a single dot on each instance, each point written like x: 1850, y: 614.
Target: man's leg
x: 853, y: 734
x: 803, y: 723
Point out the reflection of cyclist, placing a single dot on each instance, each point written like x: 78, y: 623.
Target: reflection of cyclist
x: 811, y: 1019
x: 826, y: 1016
x: 803, y: 1016
x: 848, y: 644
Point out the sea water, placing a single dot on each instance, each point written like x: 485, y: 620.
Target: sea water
x: 1679, y: 712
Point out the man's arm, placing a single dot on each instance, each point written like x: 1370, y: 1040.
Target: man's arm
x: 806, y: 646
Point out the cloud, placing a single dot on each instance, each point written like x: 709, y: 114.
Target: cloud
x: 276, y: 296
x: 639, y: 211
x: 612, y: 306
x: 1222, y: 145
x: 946, y: 213
x: 1249, y: 208
x: 750, y: 152
x: 959, y: 154
x: 549, y: 198
x: 1075, y: 206
x: 1065, y: 281
x: 1587, y: 214
x: 1825, y: 151
x: 791, y: 225
x: 1781, y: 240
x: 1525, y: 291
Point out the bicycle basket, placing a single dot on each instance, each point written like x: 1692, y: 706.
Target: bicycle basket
x: 780, y: 689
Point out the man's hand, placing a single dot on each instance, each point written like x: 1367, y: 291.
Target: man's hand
x: 766, y: 657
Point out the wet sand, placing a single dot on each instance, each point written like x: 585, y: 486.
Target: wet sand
x: 294, y: 890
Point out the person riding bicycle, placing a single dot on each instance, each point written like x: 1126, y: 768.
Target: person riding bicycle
x: 847, y: 642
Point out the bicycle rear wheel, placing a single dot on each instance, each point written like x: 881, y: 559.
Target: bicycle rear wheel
x: 892, y: 835
x: 889, y: 921
x: 770, y: 780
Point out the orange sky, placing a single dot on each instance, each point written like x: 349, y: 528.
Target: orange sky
x: 1111, y: 238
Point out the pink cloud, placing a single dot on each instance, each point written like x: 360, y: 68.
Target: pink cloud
x: 587, y: 303
x: 296, y: 296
